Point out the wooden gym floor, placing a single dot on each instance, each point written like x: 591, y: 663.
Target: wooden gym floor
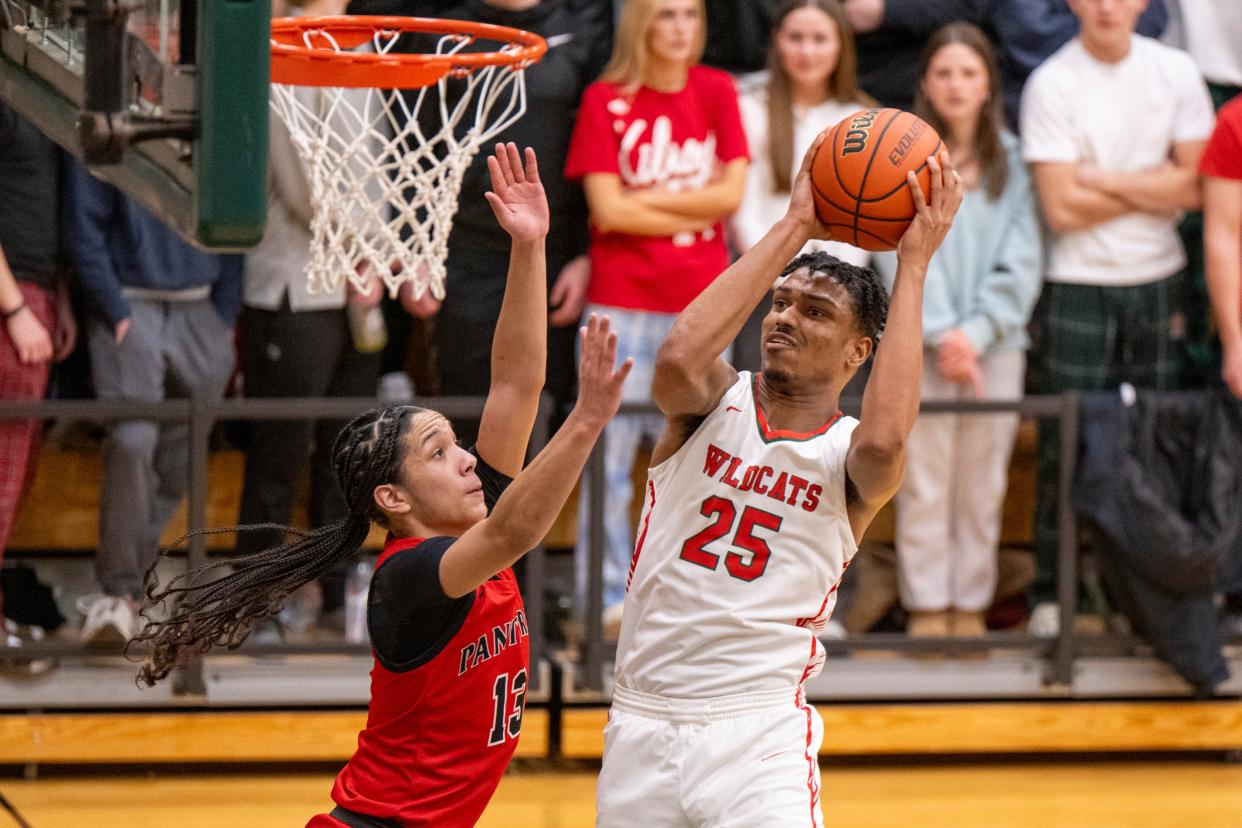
x: 946, y: 779
x: 1095, y: 794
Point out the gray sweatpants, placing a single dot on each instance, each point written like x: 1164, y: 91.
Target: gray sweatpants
x: 173, y: 349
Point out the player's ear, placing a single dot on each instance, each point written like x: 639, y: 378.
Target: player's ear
x: 392, y: 499
x: 860, y: 349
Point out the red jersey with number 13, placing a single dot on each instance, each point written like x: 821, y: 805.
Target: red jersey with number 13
x: 438, y: 737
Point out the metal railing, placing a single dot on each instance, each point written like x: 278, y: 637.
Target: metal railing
x: 201, y: 415
x: 1060, y: 651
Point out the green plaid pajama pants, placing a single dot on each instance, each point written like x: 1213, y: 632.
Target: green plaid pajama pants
x: 1095, y: 339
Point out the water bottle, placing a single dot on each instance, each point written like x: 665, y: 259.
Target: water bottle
x: 367, y: 327
x: 357, y: 587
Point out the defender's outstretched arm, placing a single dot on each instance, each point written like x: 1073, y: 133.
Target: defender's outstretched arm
x: 520, y: 344
x: 525, y: 512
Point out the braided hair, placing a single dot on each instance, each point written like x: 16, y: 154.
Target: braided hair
x: 208, y: 609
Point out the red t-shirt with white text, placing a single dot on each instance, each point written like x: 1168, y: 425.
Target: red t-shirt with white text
x: 673, y: 140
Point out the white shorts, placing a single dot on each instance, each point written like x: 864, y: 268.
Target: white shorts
x: 744, y: 761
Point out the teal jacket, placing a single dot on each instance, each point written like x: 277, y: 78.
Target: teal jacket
x: 986, y: 276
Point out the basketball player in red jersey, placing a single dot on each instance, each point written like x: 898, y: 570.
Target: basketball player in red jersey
x: 758, y: 493
x: 445, y: 617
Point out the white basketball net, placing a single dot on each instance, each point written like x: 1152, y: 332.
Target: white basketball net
x: 385, y: 192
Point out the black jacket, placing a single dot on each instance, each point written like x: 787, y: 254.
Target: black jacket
x: 1160, y: 481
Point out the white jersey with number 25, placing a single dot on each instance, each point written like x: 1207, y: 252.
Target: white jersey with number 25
x: 742, y: 542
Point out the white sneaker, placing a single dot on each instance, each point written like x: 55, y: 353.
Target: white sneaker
x: 109, y: 620
x: 1045, y: 620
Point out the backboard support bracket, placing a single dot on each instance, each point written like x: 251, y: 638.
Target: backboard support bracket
x: 105, y: 127
x: 186, y: 139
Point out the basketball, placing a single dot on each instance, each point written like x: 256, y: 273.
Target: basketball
x: 859, y: 175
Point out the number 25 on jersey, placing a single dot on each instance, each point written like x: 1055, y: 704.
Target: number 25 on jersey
x: 724, y: 514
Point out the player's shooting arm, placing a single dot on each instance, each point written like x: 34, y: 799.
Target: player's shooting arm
x: 690, y: 377
x: 1171, y: 186
x: 717, y: 200
x: 1069, y: 205
x: 531, y: 503
x: 613, y: 210
x: 519, y: 346
x: 876, y: 459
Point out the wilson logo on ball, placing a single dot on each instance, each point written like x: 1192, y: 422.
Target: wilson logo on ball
x: 856, y: 137
x: 858, y: 176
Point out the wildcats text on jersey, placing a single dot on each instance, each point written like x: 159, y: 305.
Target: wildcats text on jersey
x: 489, y: 646
x: 784, y: 486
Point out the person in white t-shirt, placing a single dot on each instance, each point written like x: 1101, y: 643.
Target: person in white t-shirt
x: 1113, y: 125
x: 812, y: 83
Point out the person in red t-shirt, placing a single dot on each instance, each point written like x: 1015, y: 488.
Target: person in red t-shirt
x: 1222, y: 235
x: 662, y: 155
x: 445, y: 616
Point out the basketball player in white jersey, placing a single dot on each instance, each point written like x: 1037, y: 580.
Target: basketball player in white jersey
x: 758, y: 493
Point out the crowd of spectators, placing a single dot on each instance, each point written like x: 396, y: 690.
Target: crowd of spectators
x: 1080, y: 127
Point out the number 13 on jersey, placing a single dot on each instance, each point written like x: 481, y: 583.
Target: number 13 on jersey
x: 723, y: 513
x: 508, y: 703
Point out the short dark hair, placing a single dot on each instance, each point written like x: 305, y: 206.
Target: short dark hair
x: 866, y: 292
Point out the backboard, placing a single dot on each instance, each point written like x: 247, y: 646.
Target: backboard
x: 166, y: 99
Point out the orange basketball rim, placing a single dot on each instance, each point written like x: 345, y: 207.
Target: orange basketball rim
x: 317, y: 51
x: 386, y: 139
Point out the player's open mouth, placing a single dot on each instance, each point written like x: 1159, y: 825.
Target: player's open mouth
x: 777, y: 340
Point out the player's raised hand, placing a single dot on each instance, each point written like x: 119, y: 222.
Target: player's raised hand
x: 801, y: 201
x: 934, y: 214
x: 599, y: 385
x: 517, y: 196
